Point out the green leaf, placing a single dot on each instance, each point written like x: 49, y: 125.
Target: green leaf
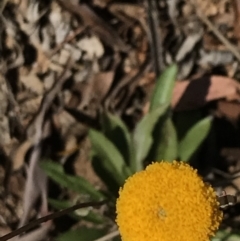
x: 105, y: 176
x: 164, y: 87
x: 90, y: 217
x: 193, y: 138
x: 111, y: 158
x: 116, y: 131
x: 165, y: 146
x: 226, y: 235
x: 76, y: 183
x: 184, y: 120
x: 142, y: 135
x: 82, y: 234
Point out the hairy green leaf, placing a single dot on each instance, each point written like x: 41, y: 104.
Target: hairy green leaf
x: 76, y: 183
x: 164, y: 87
x: 193, y: 138
x: 143, y: 136
x: 82, y: 234
x: 116, y: 131
x: 111, y: 158
x: 165, y: 145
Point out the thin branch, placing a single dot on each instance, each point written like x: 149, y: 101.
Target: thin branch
x: 218, y: 34
x: 154, y: 35
x: 50, y: 217
x: 69, y: 38
x: 36, y: 179
x: 3, y: 5
x: 98, y: 25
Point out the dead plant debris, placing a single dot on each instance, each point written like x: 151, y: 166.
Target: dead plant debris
x: 62, y: 62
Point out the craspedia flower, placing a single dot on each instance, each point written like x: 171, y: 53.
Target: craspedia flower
x: 167, y: 201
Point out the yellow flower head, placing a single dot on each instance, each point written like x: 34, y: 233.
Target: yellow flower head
x: 166, y: 202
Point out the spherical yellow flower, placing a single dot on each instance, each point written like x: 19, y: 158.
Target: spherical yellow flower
x: 166, y: 202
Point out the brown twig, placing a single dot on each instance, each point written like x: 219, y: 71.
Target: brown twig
x: 36, y: 179
x: 134, y: 83
x: 236, y: 24
x: 217, y: 33
x: 101, y: 28
x: 154, y: 35
x: 130, y: 82
x: 69, y: 38
x: 50, y: 217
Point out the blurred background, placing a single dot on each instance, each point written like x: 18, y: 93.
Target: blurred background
x: 93, y: 91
